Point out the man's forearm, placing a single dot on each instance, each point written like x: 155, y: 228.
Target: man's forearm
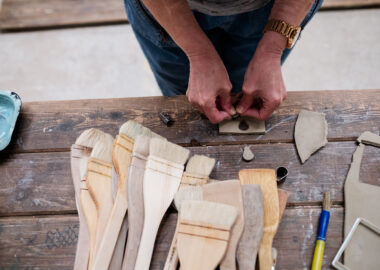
x: 177, y: 19
x: 290, y: 11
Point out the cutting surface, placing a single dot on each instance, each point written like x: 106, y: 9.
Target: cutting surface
x: 38, y: 221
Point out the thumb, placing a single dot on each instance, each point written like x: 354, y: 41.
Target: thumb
x: 245, y: 103
x: 226, y: 104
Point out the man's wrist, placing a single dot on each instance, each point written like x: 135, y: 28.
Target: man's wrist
x: 272, y: 43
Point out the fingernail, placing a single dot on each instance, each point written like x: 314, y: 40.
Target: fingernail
x: 232, y: 111
x: 239, y: 109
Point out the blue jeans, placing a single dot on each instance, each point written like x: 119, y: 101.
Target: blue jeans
x: 234, y: 37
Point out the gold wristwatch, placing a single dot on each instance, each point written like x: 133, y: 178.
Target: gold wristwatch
x: 289, y: 31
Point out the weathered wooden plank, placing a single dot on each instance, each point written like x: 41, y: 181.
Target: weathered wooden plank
x: 55, y: 125
x: 342, y: 4
x: 49, y: 242
x: 20, y: 14
x: 36, y: 183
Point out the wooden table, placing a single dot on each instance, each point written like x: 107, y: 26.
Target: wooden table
x: 39, y: 224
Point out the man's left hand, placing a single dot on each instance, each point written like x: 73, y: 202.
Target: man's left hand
x: 263, y: 81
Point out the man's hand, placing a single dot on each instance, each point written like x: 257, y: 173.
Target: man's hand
x: 263, y: 81
x: 209, y: 86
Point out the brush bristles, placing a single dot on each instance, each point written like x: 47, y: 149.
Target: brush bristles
x: 187, y: 193
x: 103, y: 149
x: 200, y: 165
x: 168, y: 151
x: 90, y: 137
x: 326, y: 201
x: 141, y: 146
x: 208, y: 212
x: 133, y: 129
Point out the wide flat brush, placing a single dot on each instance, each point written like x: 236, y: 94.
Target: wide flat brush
x: 197, y: 173
x: 162, y: 177
x: 135, y: 200
x: 79, y: 151
x: 266, y: 178
x: 121, y: 157
x: 204, y: 233
x: 228, y: 192
x: 98, y: 178
x: 253, y: 227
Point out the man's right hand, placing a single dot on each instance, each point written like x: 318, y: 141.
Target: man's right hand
x: 209, y: 84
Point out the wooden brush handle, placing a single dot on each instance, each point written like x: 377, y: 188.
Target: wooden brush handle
x: 118, y: 253
x: 111, y: 233
x: 172, y: 259
x: 265, y: 255
x: 148, y: 238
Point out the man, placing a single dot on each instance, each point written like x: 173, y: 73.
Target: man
x: 208, y: 48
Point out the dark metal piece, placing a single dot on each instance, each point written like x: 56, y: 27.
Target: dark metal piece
x: 243, y: 125
x: 281, y: 174
x: 166, y: 118
x: 235, y: 116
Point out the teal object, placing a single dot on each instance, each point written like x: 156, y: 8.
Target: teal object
x: 10, y: 105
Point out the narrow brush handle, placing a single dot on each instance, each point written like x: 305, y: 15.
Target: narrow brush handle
x: 148, y: 238
x: 172, y: 259
x: 265, y: 255
x: 111, y: 233
x: 118, y: 253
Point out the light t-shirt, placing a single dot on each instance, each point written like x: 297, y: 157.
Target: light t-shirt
x: 225, y: 7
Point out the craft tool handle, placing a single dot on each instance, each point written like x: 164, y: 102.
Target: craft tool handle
x: 321, y: 239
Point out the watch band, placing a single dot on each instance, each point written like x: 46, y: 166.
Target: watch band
x: 287, y: 30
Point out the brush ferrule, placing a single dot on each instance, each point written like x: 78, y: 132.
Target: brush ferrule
x: 98, y: 166
x: 205, y: 230
x: 189, y: 179
x: 78, y: 151
x: 125, y: 142
x: 164, y: 166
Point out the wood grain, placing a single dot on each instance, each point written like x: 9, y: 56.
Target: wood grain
x: 43, y: 126
x: 19, y: 14
x: 342, y: 4
x: 253, y: 227
x: 27, y: 179
x: 49, y: 242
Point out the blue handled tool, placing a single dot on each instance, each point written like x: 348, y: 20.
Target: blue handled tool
x: 322, y: 229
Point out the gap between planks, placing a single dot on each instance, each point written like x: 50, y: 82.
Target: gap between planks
x: 189, y: 145
x: 307, y: 205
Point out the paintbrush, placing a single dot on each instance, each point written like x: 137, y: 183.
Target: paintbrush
x: 228, y: 192
x: 135, y: 200
x: 121, y: 157
x: 322, y: 230
x: 204, y: 233
x: 98, y: 178
x: 80, y: 151
x: 266, y: 178
x: 162, y: 177
x: 197, y: 173
x: 253, y: 227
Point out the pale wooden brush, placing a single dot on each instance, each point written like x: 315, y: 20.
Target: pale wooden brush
x: 228, y: 192
x: 162, y: 177
x: 204, y: 233
x: 98, y: 178
x: 197, y: 173
x: 79, y: 151
x: 253, y: 227
x: 266, y: 178
x: 121, y: 157
x: 90, y: 212
x: 135, y: 200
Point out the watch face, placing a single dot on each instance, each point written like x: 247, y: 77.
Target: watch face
x: 296, y: 36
